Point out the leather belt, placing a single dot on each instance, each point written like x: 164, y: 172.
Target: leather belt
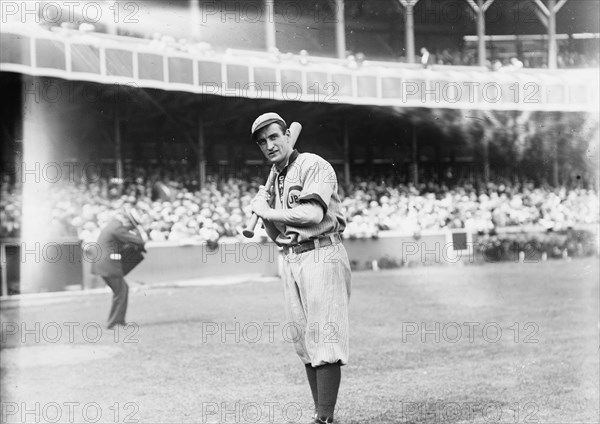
x: 312, y: 244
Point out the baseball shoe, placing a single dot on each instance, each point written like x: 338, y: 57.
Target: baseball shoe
x: 323, y: 420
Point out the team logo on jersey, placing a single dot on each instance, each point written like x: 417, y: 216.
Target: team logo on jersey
x: 293, y: 196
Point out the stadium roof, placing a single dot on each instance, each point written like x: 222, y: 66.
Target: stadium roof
x: 374, y: 27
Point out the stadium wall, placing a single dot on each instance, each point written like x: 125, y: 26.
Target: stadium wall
x: 66, y: 263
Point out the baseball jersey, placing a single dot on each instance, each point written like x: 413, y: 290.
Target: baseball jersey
x: 308, y: 177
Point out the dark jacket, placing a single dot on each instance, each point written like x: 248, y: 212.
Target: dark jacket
x: 119, y: 250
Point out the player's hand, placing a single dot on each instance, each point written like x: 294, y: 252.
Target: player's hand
x: 260, y: 203
x: 262, y: 190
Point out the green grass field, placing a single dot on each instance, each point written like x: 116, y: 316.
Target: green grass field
x: 516, y: 343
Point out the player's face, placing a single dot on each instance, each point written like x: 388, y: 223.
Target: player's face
x: 274, y: 144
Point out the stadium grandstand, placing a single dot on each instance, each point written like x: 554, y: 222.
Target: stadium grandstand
x: 437, y: 115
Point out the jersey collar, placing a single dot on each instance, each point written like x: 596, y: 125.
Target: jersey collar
x: 291, y: 160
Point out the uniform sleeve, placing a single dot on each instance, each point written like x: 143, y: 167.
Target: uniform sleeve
x: 319, y: 184
x: 271, y: 229
x: 125, y: 236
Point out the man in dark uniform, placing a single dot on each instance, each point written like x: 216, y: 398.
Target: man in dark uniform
x: 120, y: 243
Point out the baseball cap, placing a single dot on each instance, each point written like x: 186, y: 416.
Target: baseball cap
x: 134, y: 217
x: 266, y: 119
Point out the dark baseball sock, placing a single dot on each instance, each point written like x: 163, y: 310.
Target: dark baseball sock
x: 328, y: 384
x: 311, y: 373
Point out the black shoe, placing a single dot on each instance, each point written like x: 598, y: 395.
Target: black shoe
x: 323, y: 420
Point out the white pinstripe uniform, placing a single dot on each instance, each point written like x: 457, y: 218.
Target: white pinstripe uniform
x: 316, y: 282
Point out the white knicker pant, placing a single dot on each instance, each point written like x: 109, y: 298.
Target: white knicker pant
x: 317, y: 291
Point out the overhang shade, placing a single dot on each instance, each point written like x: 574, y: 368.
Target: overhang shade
x: 96, y: 57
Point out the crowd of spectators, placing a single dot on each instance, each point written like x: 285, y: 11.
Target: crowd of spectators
x: 456, y: 57
x: 160, y: 42
x: 172, y: 210
x: 572, y: 59
x: 378, y: 206
x: 10, y: 210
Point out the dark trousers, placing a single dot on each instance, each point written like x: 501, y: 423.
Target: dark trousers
x: 118, y: 309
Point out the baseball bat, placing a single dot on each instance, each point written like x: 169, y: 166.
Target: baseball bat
x: 295, y: 129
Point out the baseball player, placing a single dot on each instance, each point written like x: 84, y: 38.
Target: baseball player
x: 114, y: 240
x: 304, y: 217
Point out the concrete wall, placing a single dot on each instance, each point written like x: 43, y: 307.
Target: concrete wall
x: 54, y: 266
x: 170, y: 261
x: 36, y: 267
